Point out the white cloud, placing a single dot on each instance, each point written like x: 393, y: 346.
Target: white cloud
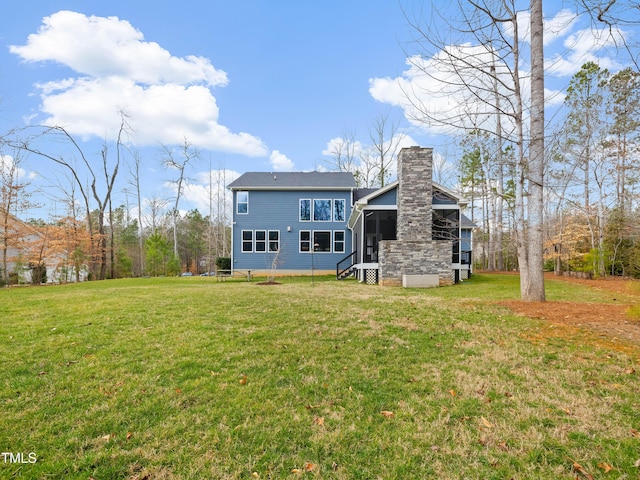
x: 559, y: 26
x: 280, y: 162
x: 583, y: 46
x: 104, y: 47
x: 11, y: 171
x: 440, y: 94
x: 167, y: 98
x: 555, y: 27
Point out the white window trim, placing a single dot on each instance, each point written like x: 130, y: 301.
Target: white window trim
x: 238, y: 212
x: 269, y: 241
x: 310, y: 200
x: 330, y: 232
x: 343, y: 241
x: 255, y: 241
x: 242, y: 241
x: 300, y: 232
x: 344, y: 209
x: 313, y: 209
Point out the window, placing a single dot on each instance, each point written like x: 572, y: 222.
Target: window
x: 261, y: 241
x: 322, y: 241
x: 322, y: 210
x: 274, y: 240
x: 338, y: 210
x: 305, y: 241
x: 242, y: 202
x: 305, y: 210
x: 338, y: 241
x: 247, y: 240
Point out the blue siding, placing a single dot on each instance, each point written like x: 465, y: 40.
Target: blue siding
x: 465, y: 239
x: 387, y: 198
x: 279, y: 210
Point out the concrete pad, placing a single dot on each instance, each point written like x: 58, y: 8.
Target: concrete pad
x: 420, y: 281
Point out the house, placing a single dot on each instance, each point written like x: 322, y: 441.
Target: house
x: 29, y: 255
x: 410, y: 232
x: 291, y: 222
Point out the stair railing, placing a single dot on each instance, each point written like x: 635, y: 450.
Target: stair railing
x: 349, y: 258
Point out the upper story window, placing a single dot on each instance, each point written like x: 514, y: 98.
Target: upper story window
x: 305, y: 210
x: 242, y: 202
x: 338, y: 210
x: 321, y: 210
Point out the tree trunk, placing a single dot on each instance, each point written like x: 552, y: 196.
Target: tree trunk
x: 533, y: 290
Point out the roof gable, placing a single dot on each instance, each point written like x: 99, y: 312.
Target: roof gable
x: 294, y: 181
x: 438, y: 190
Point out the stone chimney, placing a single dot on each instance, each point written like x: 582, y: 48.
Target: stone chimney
x: 415, y: 193
x: 414, y: 259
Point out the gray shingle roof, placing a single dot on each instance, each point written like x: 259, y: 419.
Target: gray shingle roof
x: 294, y: 180
x: 466, y: 222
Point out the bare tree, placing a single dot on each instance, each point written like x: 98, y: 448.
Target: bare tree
x: 179, y: 161
x: 134, y: 172
x: 13, y: 196
x: 156, y: 206
x: 343, y: 152
x: 478, y: 82
x: 110, y: 171
x: 384, y: 144
x: 532, y: 285
x: 608, y: 17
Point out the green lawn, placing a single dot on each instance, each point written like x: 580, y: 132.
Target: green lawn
x: 188, y: 378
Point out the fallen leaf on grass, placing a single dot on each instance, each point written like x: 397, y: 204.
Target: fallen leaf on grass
x: 243, y: 379
x: 453, y: 393
x: 634, y: 432
x: 309, y: 467
x: 296, y: 470
x: 178, y: 390
x: 129, y: 435
x: 386, y: 414
x: 318, y: 421
x: 579, y: 469
x: 486, y: 422
x: 605, y: 466
x: 629, y: 371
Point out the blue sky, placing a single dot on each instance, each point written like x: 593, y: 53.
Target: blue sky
x: 255, y: 85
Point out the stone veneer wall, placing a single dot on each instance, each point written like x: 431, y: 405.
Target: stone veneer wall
x: 414, y: 257
x: 415, y: 194
x: 414, y: 252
